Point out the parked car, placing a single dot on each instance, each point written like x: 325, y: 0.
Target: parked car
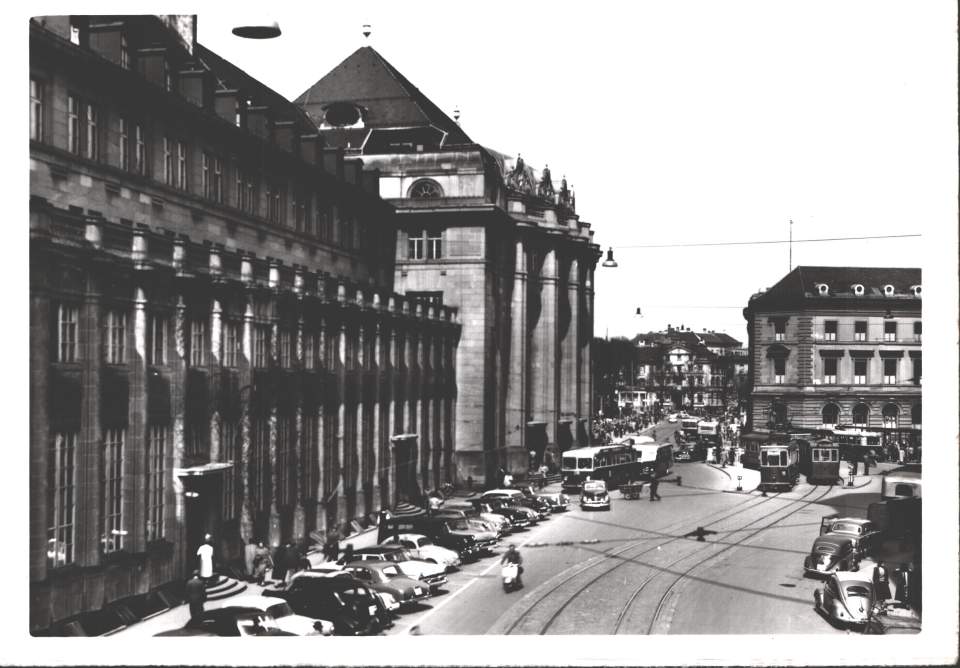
x: 864, y: 533
x: 230, y: 621
x: 484, y: 541
x: 417, y: 569
x: 386, y: 576
x: 682, y: 455
x: 594, y: 495
x: 463, y: 542
x: 556, y: 501
x: 830, y: 552
x: 501, y: 525
x: 473, y: 519
x: 283, y: 615
x: 352, y: 606
x: 519, y: 517
x: 424, y: 548
x: 892, y: 617
x: 846, y: 599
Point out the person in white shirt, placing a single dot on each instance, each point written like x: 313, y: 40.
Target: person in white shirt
x: 205, y: 553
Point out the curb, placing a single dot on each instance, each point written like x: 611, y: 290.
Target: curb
x: 721, y: 469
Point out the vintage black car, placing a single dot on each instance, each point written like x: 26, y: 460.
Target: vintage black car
x: 386, y: 576
x: 351, y: 605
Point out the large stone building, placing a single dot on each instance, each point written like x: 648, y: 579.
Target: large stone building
x: 490, y: 236
x: 218, y: 344
x: 836, y: 346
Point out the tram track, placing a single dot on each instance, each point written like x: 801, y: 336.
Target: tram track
x: 665, y: 596
x: 710, y: 520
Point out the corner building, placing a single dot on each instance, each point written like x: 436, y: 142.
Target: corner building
x: 490, y: 236
x: 217, y: 342
x: 838, y: 346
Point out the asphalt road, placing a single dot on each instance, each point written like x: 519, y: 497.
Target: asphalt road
x: 631, y: 570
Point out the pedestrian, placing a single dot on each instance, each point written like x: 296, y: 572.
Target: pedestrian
x: 502, y: 476
x: 654, y: 484
x: 205, y: 555
x: 261, y: 563
x: 866, y: 465
x: 434, y: 504
x: 881, y: 582
x: 196, y: 590
x: 901, y: 453
x: 904, y: 583
x: 331, y: 548
x: 654, y: 434
x: 347, y: 554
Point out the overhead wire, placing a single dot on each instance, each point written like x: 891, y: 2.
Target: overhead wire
x: 769, y: 241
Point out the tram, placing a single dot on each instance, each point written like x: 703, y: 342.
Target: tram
x: 819, y: 460
x: 614, y: 464
x: 779, y: 466
x: 855, y: 443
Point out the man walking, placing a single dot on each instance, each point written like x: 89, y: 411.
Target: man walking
x: 881, y: 582
x: 654, y: 484
x: 196, y: 594
x: 205, y: 554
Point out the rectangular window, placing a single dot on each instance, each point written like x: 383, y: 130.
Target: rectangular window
x: 167, y: 77
x: 116, y: 337
x: 859, y: 371
x: 830, y: 371
x: 283, y: 348
x: 91, y: 144
x: 36, y: 110
x: 111, y: 490
x: 890, y: 372
x: 890, y: 330
x: 433, y: 246
x: 156, y: 477
x: 140, y: 150
x: 415, y: 246
x: 67, y: 333
x: 779, y: 370
x: 830, y: 330
x: 860, y: 330
x: 181, y: 165
x: 205, y: 181
x: 917, y: 331
x: 124, y: 53
x: 779, y: 330
x: 231, y: 344
x: 261, y: 346
x: 430, y: 297
x: 309, y: 351
x: 198, y: 341
x: 124, y: 144
x: 73, y: 124
x: 194, y: 438
x: 61, y: 499
x: 156, y: 340
x: 917, y: 370
x: 217, y: 181
x: 168, y: 173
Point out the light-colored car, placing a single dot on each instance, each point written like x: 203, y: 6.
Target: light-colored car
x: 417, y: 569
x: 672, y: 418
x: 284, y: 617
x: 424, y: 548
x: 594, y: 495
x: 846, y: 598
x: 386, y: 576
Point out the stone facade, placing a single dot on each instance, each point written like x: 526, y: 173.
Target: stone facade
x: 217, y: 345
x: 838, y: 346
x: 496, y: 239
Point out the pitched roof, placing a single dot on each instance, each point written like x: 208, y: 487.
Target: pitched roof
x: 387, y: 98
x: 803, y: 282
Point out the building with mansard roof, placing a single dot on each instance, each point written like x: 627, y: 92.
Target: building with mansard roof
x: 838, y: 346
x: 219, y: 343
x: 487, y: 234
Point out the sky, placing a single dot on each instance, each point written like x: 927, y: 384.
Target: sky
x: 679, y: 123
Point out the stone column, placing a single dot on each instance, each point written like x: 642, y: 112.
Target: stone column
x: 544, y: 363
x: 322, y: 444
x: 134, y: 513
x: 274, y: 529
x: 391, y: 400
x: 340, y: 480
x: 88, y: 455
x: 360, y: 440
x: 246, y: 507
x: 517, y: 409
x: 377, y: 426
x: 570, y: 354
x: 586, y: 332
x: 299, y: 518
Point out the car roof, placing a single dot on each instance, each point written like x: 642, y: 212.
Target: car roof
x: 833, y: 539
x: 253, y: 601
x: 852, y: 520
x: 510, y: 492
x: 853, y: 577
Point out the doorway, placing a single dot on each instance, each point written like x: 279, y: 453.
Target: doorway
x: 202, y: 512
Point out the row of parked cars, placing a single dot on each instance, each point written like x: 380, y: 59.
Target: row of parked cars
x: 364, y: 590
x: 844, y: 554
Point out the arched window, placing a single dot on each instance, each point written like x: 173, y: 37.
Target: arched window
x: 425, y: 189
x: 830, y: 415
x: 860, y: 415
x: 915, y: 417
x: 891, y: 416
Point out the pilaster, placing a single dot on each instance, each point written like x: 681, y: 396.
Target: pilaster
x: 89, y: 455
x: 516, y: 408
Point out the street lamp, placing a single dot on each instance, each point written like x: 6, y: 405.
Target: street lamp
x: 610, y: 262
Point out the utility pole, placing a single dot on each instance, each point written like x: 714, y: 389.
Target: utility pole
x: 791, y: 246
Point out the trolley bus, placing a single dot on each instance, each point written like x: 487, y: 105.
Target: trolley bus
x: 614, y: 464
x: 856, y: 443
x: 779, y: 466
x: 655, y: 460
x: 708, y: 433
x: 819, y: 460
x: 688, y: 426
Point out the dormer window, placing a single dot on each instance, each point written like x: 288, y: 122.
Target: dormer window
x: 858, y: 290
x: 823, y: 289
x: 888, y: 290
x: 425, y: 189
x: 916, y: 290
